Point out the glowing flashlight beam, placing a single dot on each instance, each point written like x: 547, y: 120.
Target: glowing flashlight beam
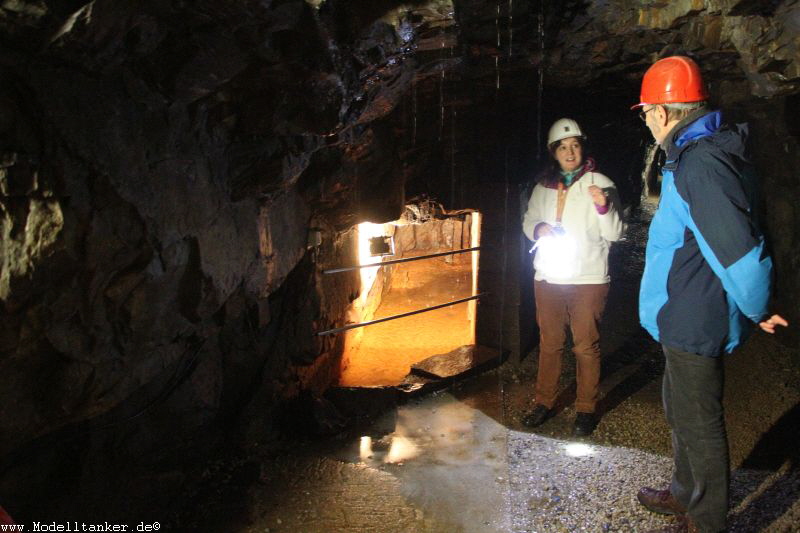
x: 576, y: 449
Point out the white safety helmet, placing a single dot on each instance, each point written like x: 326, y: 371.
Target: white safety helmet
x: 563, y: 128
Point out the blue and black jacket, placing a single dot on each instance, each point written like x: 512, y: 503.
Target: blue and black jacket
x: 707, y: 272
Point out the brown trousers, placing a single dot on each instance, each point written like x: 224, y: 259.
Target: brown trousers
x: 580, y: 307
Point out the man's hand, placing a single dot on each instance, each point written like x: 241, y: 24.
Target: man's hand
x: 598, y: 196
x: 769, y: 324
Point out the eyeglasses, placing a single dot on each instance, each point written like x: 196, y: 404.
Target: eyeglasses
x: 644, y: 112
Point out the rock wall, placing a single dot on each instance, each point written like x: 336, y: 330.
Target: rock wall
x: 160, y: 167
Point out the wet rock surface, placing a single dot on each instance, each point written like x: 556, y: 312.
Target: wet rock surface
x: 456, y: 362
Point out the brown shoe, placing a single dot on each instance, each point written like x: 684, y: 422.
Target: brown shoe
x: 660, y: 501
x: 683, y: 525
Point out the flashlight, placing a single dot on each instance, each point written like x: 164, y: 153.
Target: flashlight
x: 556, y: 231
x: 556, y: 255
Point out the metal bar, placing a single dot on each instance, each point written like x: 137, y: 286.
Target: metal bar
x: 385, y: 319
x: 395, y: 261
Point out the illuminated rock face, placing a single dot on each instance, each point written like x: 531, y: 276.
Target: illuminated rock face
x: 160, y: 167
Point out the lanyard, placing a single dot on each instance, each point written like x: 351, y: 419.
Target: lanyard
x: 561, y: 200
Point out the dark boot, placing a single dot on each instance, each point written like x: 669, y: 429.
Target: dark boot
x: 536, y: 416
x: 660, y: 501
x: 585, y: 424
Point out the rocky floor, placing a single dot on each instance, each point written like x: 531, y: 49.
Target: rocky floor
x: 459, y: 460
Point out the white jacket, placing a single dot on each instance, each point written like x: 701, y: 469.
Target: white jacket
x: 583, y: 259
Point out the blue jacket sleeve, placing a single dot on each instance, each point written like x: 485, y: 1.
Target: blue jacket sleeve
x: 719, y: 214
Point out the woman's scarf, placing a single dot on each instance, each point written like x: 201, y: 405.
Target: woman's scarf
x: 568, y: 178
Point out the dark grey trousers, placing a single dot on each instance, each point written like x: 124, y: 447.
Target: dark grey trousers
x: 692, y: 394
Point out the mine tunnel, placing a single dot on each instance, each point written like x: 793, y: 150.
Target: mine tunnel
x: 263, y: 266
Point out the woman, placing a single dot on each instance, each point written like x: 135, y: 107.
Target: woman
x: 572, y: 218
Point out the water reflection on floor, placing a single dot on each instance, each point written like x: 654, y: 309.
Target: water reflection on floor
x: 449, y: 457
x: 457, y: 461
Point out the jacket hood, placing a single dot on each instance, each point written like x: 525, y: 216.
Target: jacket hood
x: 709, y: 125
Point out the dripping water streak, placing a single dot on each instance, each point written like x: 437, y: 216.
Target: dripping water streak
x: 414, y: 113
x: 497, y: 54
x: 453, y: 160
x: 441, y: 104
x: 497, y: 26
x: 505, y: 250
x: 541, y: 84
x: 451, y: 50
x: 510, y: 26
x: 441, y: 85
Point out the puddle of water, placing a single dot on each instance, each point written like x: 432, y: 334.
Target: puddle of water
x: 449, y: 456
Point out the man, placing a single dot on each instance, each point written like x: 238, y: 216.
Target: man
x: 706, y: 273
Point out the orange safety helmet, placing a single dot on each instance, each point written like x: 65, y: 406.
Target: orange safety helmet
x: 672, y: 80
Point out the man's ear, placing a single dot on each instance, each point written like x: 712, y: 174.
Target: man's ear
x: 661, y: 115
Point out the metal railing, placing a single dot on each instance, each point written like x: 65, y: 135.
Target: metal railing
x: 395, y: 261
x: 394, y: 317
x: 402, y: 315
